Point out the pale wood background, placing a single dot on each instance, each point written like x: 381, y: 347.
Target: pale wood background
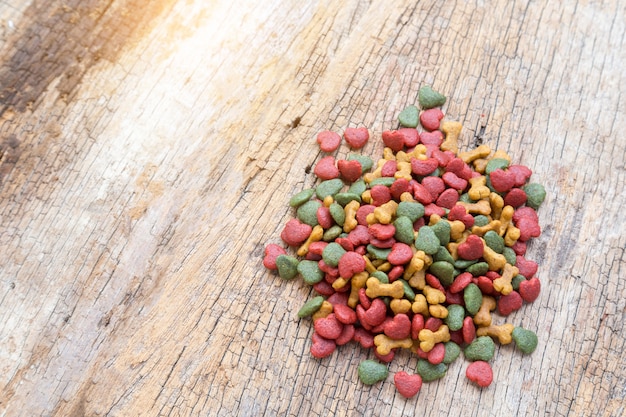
x: 149, y: 150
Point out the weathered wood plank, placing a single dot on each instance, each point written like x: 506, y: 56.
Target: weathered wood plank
x: 149, y: 151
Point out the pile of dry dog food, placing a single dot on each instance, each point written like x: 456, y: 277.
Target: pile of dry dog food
x: 416, y: 251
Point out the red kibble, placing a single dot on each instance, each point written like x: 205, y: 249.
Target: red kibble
x: 347, y: 334
x: 385, y: 358
x: 393, y: 139
x: 382, y: 231
x: 351, y: 263
x: 324, y: 218
x: 364, y: 300
x: 423, y: 167
x: 399, y: 327
x: 327, y: 269
x: 529, y: 290
x: 459, y: 168
x: 338, y: 299
x: 408, y: 385
x: 417, y: 324
x: 324, y: 288
x: 380, y: 195
x: 460, y: 282
x: 411, y: 136
x: 519, y: 248
x: 502, y: 181
x: 486, y: 285
x: 515, y: 198
x: 434, y: 185
x: 453, y: 181
x: 521, y: 174
x: 437, y: 354
x: 376, y: 314
x: 383, y: 244
x: 526, y: 267
x: 454, y: 298
x: 359, y: 235
x: 356, y: 137
x: 362, y: 212
x: 329, y: 141
x: 345, y: 243
x: 295, y: 233
x: 389, y: 169
x: 480, y: 372
x: 321, y: 348
x: 431, y: 209
x: 431, y: 118
x: 448, y: 198
x: 272, y: 251
x: 472, y: 248
x: 432, y: 138
x: 325, y: 169
x: 364, y: 337
x: 344, y: 314
x: 400, y: 254
x: 422, y: 194
x: 399, y: 187
x: 433, y: 324
x: 468, y: 330
x: 328, y: 327
x: 434, y: 282
x: 509, y: 303
x: 395, y: 273
x: 350, y: 170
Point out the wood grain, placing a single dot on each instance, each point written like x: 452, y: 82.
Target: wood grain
x: 148, y: 153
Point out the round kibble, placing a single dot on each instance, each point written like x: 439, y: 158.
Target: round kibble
x: 525, y: 340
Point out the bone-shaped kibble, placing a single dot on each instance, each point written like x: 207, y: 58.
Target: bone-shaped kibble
x: 503, y: 284
x: 428, y: 339
x: 495, y: 260
x: 400, y: 306
x: 452, y: 131
x: 316, y: 235
x: 478, y: 188
x: 377, y: 173
x: 385, y: 344
x: 433, y: 295
x: 350, y: 209
x: 438, y: 311
x: 404, y: 171
x: 420, y: 305
x: 480, y: 207
x: 357, y: 282
x: 385, y: 213
x: 496, y: 202
x: 417, y: 263
x: 481, y: 230
x: 324, y: 311
x: 483, y: 317
x: 502, y: 332
x: 375, y: 288
x: 481, y: 152
x: 506, y: 218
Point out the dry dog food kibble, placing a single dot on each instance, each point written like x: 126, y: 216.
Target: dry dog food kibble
x: 421, y: 252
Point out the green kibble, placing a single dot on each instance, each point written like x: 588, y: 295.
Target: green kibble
x: 302, y: 197
x: 328, y: 187
x: 411, y: 209
x: 427, y: 240
x: 535, y: 194
x: 494, y: 241
x: 332, y: 253
x: 481, y: 349
x: 429, y: 98
x: 365, y: 161
x: 442, y: 231
x: 465, y: 198
x: 509, y: 255
x: 456, y: 314
x: 386, y: 181
x: 378, y: 253
x: 310, y: 271
x: 409, y: 294
x: 517, y: 280
x: 287, y: 266
x: 452, y: 352
x: 525, y: 340
x: 331, y: 234
x: 380, y: 276
x: 371, y: 372
x: 311, y: 306
x: 478, y: 269
x: 357, y: 187
x: 481, y: 220
x: 337, y: 213
x: 430, y: 372
x: 307, y: 212
x: 444, y: 271
x: 464, y: 263
x: 496, y: 163
x: 404, y: 230
x: 473, y: 297
x: 409, y: 117
x: 443, y: 255
x: 345, y: 198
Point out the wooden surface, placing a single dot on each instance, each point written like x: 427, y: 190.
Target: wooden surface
x: 149, y: 150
